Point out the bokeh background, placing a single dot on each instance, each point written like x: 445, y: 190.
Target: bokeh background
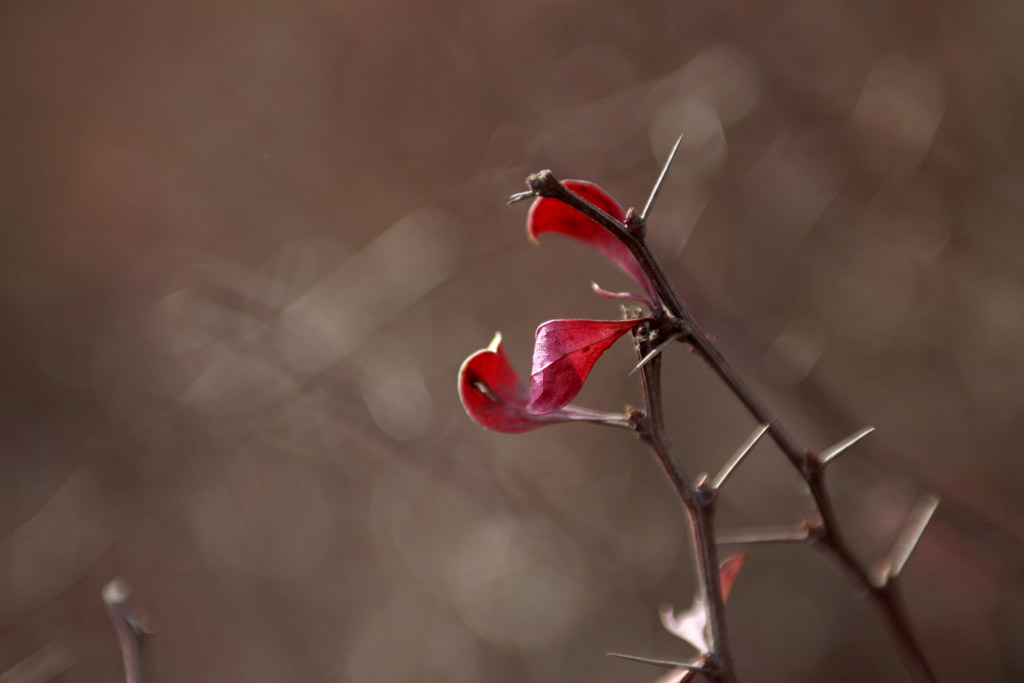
x: 245, y: 246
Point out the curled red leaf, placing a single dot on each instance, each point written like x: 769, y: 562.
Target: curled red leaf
x: 552, y: 215
x: 495, y: 397
x: 563, y: 356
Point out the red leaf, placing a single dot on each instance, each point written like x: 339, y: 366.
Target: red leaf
x: 727, y: 572
x: 565, y: 352
x: 495, y: 397
x: 551, y: 215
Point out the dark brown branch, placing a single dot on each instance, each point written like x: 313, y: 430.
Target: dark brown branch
x: 699, y: 502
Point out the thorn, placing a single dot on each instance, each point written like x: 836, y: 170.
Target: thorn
x: 766, y: 535
x: 520, y: 196
x: 738, y: 456
x: 890, y: 567
x: 660, y: 663
x: 837, y: 449
x: 661, y: 179
x: 653, y: 353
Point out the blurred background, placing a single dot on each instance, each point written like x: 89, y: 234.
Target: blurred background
x: 246, y: 246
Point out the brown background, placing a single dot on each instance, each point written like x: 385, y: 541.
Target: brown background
x: 244, y: 248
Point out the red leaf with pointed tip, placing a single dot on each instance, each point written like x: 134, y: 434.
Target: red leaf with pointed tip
x: 563, y: 355
x: 552, y: 215
x: 495, y: 397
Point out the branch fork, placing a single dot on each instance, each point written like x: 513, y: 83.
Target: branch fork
x: 672, y: 321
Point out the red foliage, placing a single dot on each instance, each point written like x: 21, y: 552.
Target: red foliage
x: 496, y: 398
x: 551, y: 215
x: 565, y: 352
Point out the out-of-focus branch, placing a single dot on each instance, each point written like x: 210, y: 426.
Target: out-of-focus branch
x: 130, y: 633
x: 42, y: 666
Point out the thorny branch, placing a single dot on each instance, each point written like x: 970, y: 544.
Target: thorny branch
x: 676, y: 320
x: 699, y: 502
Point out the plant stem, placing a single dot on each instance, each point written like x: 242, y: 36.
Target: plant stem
x: 699, y: 502
x: 702, y: 521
